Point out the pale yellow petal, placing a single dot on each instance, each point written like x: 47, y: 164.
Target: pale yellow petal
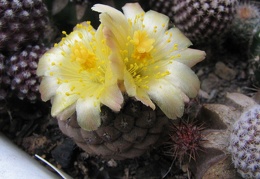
x: 110, y: 38
x: 105, y: 8
x: 155, y: 23
x: 45, y: 65
x: 191, y: 57
x: 113, y: 15
x: 116, y: 22
x: 117, y: 65
x: 48, y: 88
x: 184, y: 78
x: 112, y: 97
x: 61, y: 103
x: 83, y: 32
x: 88, y: 114
x: 67, y: 113
x: 141, y: 95
x: 170, y: 45
x: 131, y: 10
x: 177, y: 37
x: 63, y: 99
x: 168, y: 98
x: 129, y: 83
x: 45, y: 62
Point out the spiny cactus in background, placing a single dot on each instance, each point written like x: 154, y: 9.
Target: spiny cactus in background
x: 4, y: 79
x: 245, y: 143
x: 245, y: 24
x: 22, y: 71
x: 200, y: 20
x: 203, y: 20
x: 185, y: 140
x: 22, y: 22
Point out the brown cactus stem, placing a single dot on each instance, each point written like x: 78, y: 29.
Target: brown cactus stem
x: 128, y: 134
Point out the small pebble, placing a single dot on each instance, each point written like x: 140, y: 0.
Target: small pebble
x: 112, y: 163
x: 224, y: 72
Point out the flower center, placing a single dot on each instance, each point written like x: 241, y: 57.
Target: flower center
x: 86, y: 58
x: 143, y: 45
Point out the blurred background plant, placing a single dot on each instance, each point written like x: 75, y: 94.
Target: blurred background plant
x: 245, y: 25
x: 65, y: 14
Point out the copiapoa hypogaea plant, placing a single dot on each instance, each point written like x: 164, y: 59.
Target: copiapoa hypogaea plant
x: 131, y: 53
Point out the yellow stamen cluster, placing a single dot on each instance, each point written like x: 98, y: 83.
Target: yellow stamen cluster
x: 140, y: 49
x: 89, y: 68
x: 143, y: 45
x: 83, y: 56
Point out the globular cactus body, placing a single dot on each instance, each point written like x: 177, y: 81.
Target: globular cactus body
x: 22, y: 22
x: 22, y: 71
x: 200, y: 20
x: 135, y: 130
x: 245, y: 143
x: 203, y: 20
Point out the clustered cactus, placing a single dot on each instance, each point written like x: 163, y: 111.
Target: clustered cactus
x: 22, y: 71
x: 245, y: 143
x: 203, y: 20
x: 22, y: 27
x: 22, y: 22
x: 200, y: 20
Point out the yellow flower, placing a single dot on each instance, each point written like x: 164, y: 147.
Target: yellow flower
x: 77, y: 76
x: 151, y: 61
